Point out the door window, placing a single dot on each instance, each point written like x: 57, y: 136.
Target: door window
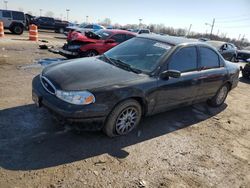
x: 17, y: 16
x: 209, y: 58
x: 6, y: 14
x: 184, y: 60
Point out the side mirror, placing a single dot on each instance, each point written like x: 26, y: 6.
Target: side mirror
x: 170, y: 73
x: 110, y: 41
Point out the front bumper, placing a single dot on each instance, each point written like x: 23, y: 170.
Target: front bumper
x: 68, y: 54
x: 93, y: 113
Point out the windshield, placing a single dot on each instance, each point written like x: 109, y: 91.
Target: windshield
x: 139, y: 53
x: 103, y: 34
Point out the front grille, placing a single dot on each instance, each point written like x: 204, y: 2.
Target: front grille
x: 48, y: 86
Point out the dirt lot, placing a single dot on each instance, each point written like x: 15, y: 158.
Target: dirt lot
x: 196, y: 146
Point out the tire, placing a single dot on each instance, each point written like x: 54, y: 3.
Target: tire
x: 220, y: 96
x: 17, y: 29
x: 123, y: 118
x: 245, y: 75
x: 61, y: 30
x: 91, y: 53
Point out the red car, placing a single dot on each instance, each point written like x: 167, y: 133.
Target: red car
x: 92, y: 44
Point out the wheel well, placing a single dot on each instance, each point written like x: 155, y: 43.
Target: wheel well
x: 140, y: 101
x: 93, y: 50
x: 229, y: 84
x: 15, y: 24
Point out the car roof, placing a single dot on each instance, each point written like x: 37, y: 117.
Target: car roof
x: 11, y: 10
x: 172, y: 40
x: 119, y: 31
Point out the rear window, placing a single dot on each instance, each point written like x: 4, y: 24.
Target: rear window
x: 18, y: 16
x: 209, y: 59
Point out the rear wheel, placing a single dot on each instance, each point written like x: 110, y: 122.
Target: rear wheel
x: 123, y: 118
x: 61, y: 30
x: 17, y: 29
x: 220, y: 96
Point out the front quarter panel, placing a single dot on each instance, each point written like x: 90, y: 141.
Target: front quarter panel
x: 142, y: 90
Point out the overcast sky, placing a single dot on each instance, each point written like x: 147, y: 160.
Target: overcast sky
x: 231, y: 16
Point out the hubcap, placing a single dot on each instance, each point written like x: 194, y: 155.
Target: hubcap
x: 221, y: 95
x: 126, y: 121
x: 91, y: 54
x: 17, y: 29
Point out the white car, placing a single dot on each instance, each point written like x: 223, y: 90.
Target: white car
x: 15, y: 21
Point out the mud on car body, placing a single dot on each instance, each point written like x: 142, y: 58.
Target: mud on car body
x: 146, y: 75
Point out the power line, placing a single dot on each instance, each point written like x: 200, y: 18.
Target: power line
x: 233, y: 17
x: 235, y: 20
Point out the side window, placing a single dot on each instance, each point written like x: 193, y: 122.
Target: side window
x: 119, y: 38
x: 89, y: 26
x: 17, y: 16
x: 130, y: 37
x: 184, y: 60
x: 6, y: 14
x: 209, y: 58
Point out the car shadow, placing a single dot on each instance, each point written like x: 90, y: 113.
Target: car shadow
x: 30, y: 139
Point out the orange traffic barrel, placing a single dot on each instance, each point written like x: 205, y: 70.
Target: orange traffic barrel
x: 33, y: 32
x: 1, y: 30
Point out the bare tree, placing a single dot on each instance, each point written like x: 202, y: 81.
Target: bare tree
x: 49, y: 14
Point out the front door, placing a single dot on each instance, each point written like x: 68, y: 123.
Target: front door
x: 179, y: 91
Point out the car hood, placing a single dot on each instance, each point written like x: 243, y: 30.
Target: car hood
x: 87, y: 74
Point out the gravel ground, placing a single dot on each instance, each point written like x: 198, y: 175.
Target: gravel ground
x: 195, y: 146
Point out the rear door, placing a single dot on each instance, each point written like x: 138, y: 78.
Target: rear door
x: 213, y: 72
x: 6, y: 18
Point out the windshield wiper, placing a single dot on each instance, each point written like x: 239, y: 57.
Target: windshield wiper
x: 109, y: 60
x: 125, y: 66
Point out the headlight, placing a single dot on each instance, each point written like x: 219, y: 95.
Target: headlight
x: 76, y: 97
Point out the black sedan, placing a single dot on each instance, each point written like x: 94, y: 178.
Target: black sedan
x: 244, y: 54
x: 143, y: 76
x: 227, y: 50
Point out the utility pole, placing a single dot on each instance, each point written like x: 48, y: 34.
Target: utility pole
x: 67, y: 14
x: 40, y: 11
x: 212, y: 27
x: 218, y: 32
x: 140, y: 21
x: 189, y: 30
x: 239, y: 36
x: 6, y: 5
x: 242, y: 40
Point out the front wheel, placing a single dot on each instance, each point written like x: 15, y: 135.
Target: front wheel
x: 123, y: 118
x: 91, y: 53
x: 220, y: 96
